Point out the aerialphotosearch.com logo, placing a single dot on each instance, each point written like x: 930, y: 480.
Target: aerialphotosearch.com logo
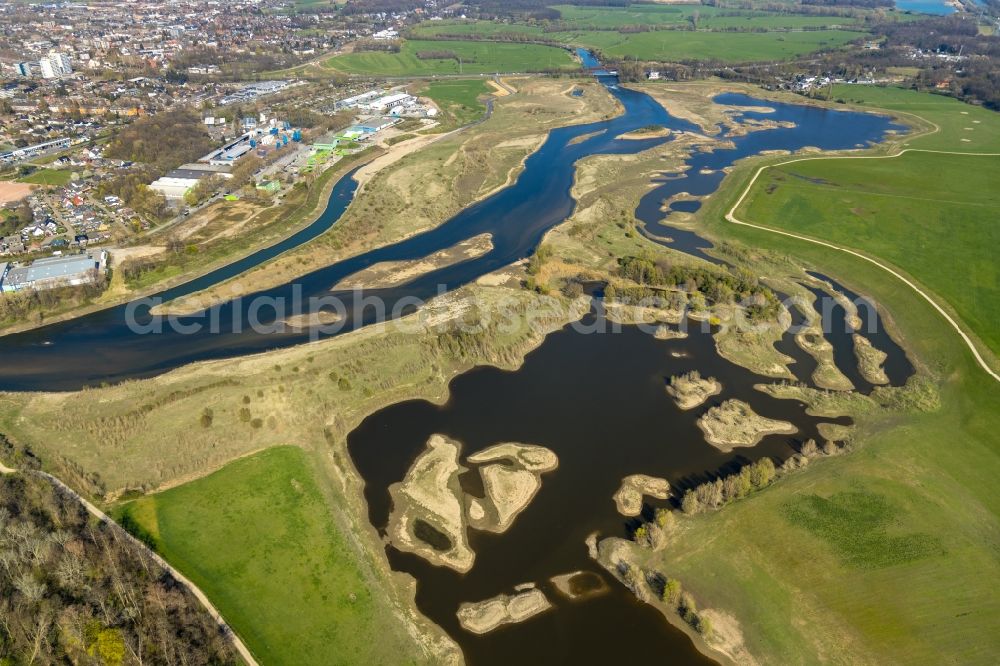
x: 317, y: 317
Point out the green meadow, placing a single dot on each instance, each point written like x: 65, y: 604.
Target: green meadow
x: 476, y: 58
x: 676, y: 45
x: 458, y: 99
x: 936, y: 216
x: 683, y: 45
x: 57, y: 177
x: 962, y: 127
x: 931, y: 214
x: 258, y: 538
x: 604, y: 18
x: 888, y: 553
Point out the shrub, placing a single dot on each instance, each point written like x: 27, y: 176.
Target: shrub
x: 672, y: 592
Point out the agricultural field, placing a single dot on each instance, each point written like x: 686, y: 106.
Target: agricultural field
x: 676, y: 45
x: 682, y: 45
x: 259, y: 538
x: 458, y: 99
x: 921, y: 211
x: 56, y: 177
x: 605, y: 18
x: 470, y: 58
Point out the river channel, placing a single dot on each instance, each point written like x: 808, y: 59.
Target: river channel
x: 110, y: 346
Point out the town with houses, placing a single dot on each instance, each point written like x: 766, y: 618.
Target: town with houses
x: 83, y: 72
x: 75, y: 75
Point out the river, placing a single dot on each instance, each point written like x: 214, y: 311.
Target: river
x: 598, y: 401
x: 104, y: 347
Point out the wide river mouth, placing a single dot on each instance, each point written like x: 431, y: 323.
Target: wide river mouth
x: 597, y: 400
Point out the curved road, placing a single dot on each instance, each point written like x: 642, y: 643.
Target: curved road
x: 731, y: 217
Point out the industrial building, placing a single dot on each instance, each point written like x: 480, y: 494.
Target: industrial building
x: 59, y: 271
x: 173, y: 188
x: 388, y: 103
x: 358, y: 100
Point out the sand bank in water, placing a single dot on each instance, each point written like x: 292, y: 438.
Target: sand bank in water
x: 733, y: 424
x: 428, y: 507
x: 628, y: 498
x: 485, y: 616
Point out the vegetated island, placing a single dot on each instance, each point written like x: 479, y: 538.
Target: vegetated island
x: 485, y: 616
x: 647, y: 132
x: 428, y: 517
x: 431, y: 513
x: 733, y: 424
x: 511, y: 475
x: 870, y: 360
x: 628, y: 498
x: 691, y: 389
x: 393, y: 273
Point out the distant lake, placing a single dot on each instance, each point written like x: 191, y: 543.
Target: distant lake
x: 925, y: 6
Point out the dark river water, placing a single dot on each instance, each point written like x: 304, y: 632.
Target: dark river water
x: 598, y: 401
x: 115, y: 344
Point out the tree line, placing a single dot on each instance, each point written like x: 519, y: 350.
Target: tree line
x: 74, y: 590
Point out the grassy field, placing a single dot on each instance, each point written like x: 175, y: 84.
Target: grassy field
x: 884, y: 555
x: 933, y: 215
x: 458, y: 99
x: 58, y: 177
x: 676, y: 45
x: 682, y: 45
x: 707, y: 17
x: 957, y: 121
x: 930, y: 214
x: 259, y: 538
x: 476, y: 58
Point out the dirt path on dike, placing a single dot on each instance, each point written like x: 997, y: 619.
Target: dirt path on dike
x: 731, y: 217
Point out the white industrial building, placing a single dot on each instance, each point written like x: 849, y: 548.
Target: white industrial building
x: 173, y: 188
x: 388, y: 102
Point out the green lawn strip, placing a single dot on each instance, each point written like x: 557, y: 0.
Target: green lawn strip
x: 471, y: 58
x: 258, y: 537
x: 930, y: 214
x: 59, y: 177
x: 796, y: 595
